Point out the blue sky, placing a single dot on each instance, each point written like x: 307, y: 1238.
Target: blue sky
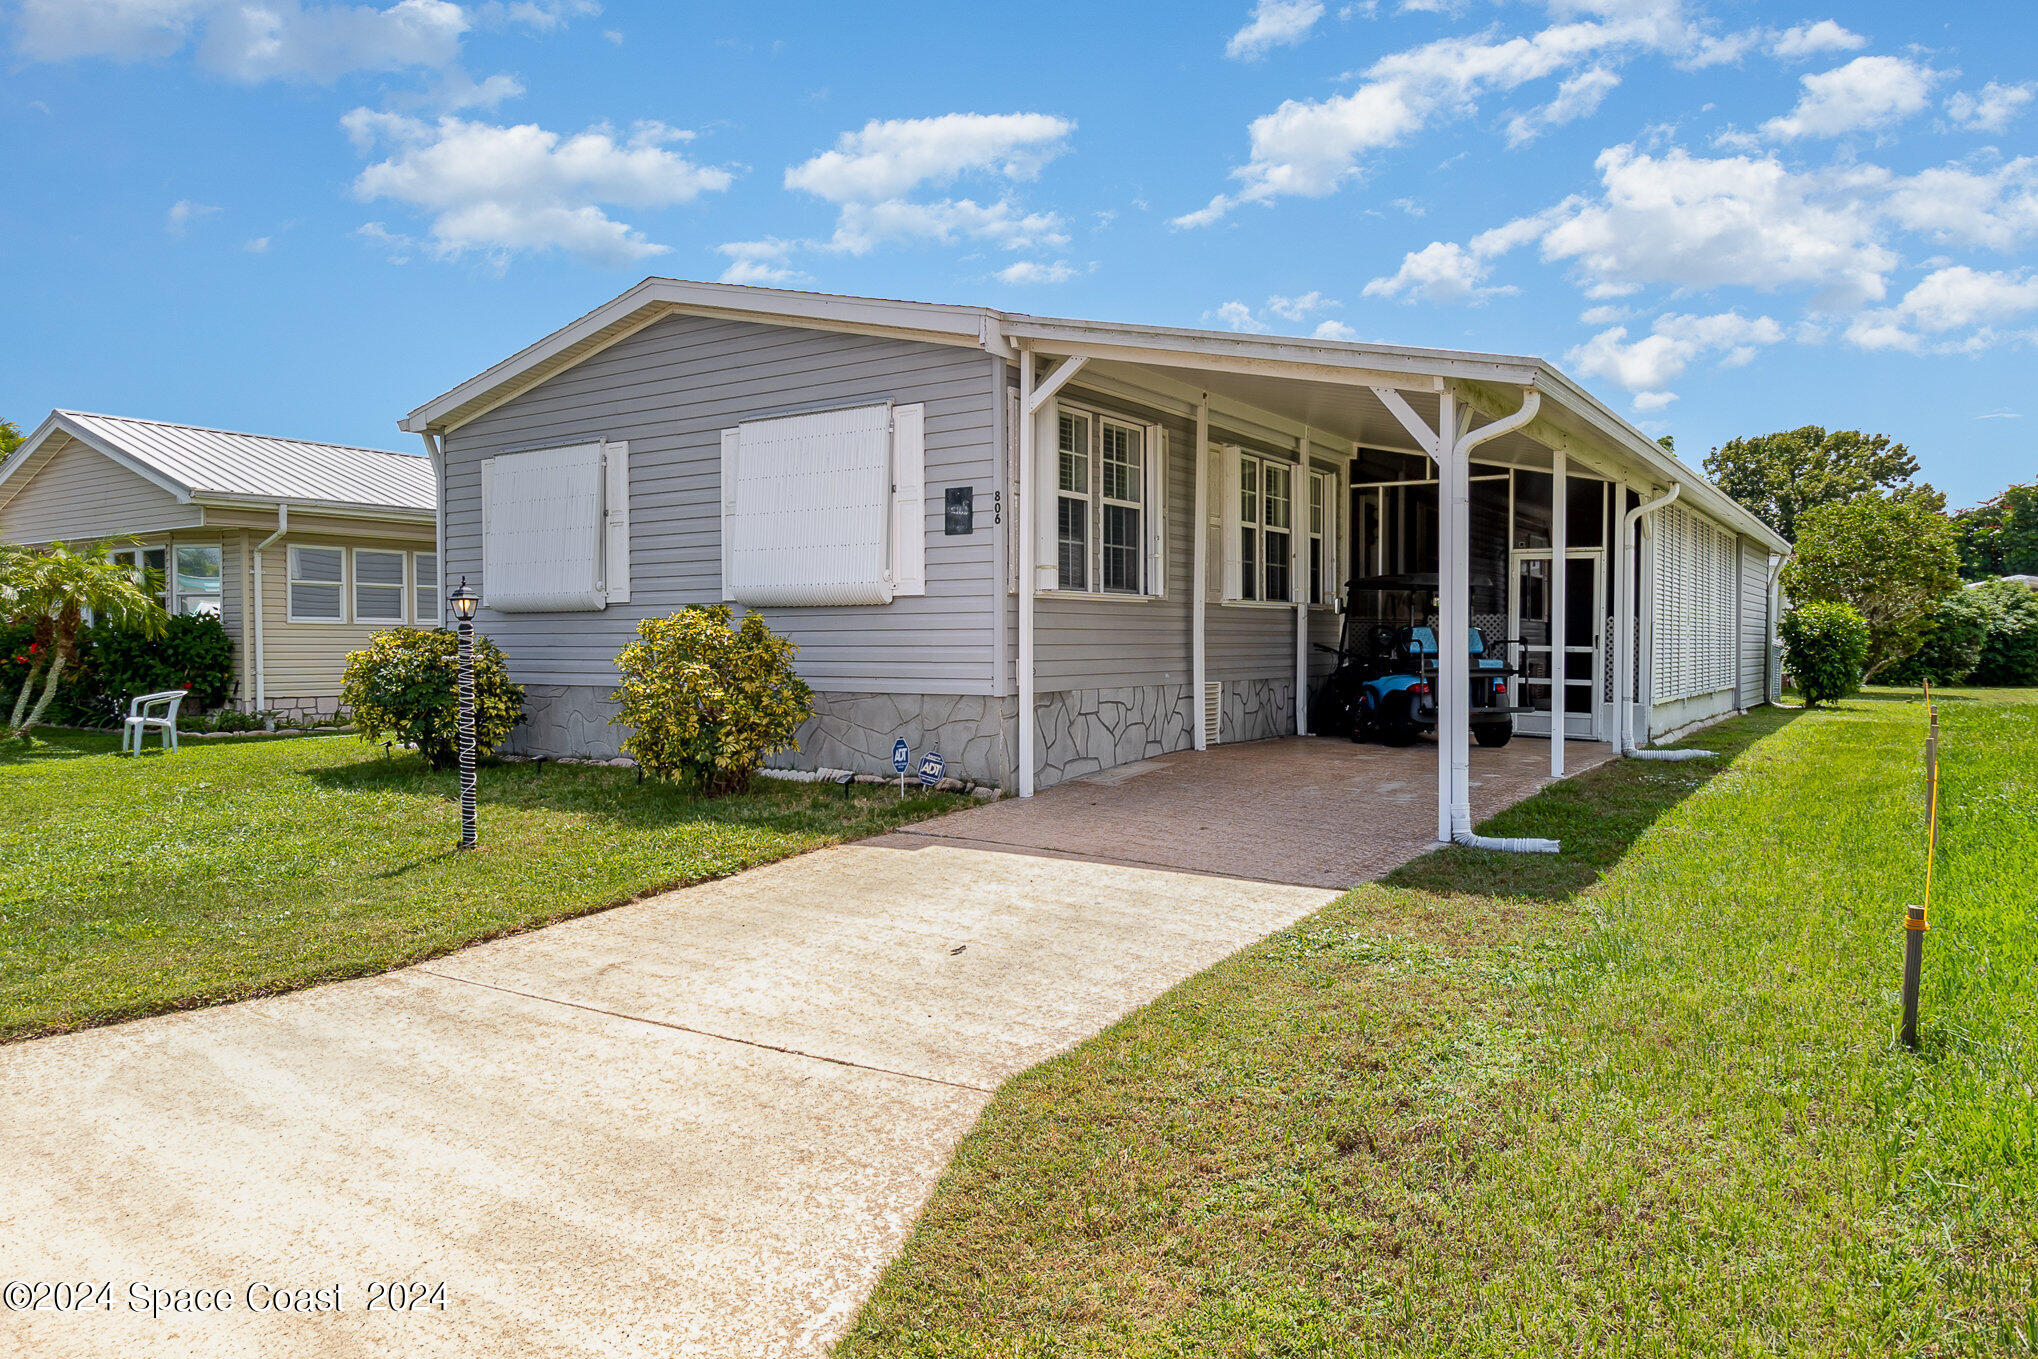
x: 304, y: 218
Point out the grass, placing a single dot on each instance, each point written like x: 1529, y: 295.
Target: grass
x: 1641, y: 1098
x: 134, y: 886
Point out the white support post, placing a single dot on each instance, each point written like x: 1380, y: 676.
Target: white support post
x: 1298, y: 582
x: 1200, y: 582
x: 1026, y: 491
x: 1560, y: 538
x: 1453, y: 669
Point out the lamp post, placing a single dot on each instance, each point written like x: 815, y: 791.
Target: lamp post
x: 464, y: 601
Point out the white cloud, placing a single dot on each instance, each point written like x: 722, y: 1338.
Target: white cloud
x: 1238, y: 316
x: 762, y: 262
x: 1675, y: 342
x: 1648, y: 403
x: 1578, y: 97
x: 1604, y: 315
x: 1335, y: 330
x: 1035, y: 271
x: 273, y: 39
x: 1866, y: 94
x: 1274, y: 23
x: 1442, y: 272
x: 1811, y: 40
x: 1956, y: 205
x: 183, y: 213
x: 1299, y: 308
x: 1991, y: 109
x: 1949, y: 300
x: 258, y: 245
x: 501, y: 190
x: 869, y: 174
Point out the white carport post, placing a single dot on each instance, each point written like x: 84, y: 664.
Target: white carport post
x: 1199, y: 585
x: 1030, y: 402
x: 1560, y: 537
x: 1299, y: 501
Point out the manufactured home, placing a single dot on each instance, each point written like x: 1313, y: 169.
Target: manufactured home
x: 302, y: 549
x: 1048, y: 547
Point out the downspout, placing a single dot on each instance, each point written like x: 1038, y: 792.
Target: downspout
x: 256, y: 625
x: 1457, y: 681
x: 1623, y: 706
x: 436, y: 453
x: 1775, y: 677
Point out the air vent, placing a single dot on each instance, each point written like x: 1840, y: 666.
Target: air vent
x: 1213, y: 712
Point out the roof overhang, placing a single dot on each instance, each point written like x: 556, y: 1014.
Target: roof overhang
x: 336, y: 509
x: 26, y: 458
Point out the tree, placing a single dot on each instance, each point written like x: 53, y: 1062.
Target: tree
x: 1780, y: 476
x: 1891, y: 557
x: 2000, y: 538
x: 51, y: 591
x: 11, y: 437
x: 2009, y: 654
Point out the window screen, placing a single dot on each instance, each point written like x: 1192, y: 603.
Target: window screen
x: 378, y: 586
x: 318, y: 585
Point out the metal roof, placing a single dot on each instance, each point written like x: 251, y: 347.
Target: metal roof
x: 207, y: 464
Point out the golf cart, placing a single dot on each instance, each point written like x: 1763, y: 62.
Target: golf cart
x: 1385, y: 682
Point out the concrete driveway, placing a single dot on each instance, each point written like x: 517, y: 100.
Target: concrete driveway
x: 699, y: 1126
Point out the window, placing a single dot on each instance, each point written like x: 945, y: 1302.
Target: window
x: 555, y: 529
x: 1072, y: 501
x: 148, y: 565
x: 1105, y: 533
x: 1322, y: 538
x: 424, y: 575
x: 826, y: 508
x: 197, y: 588
x: 318, y: 585
x: 1262, y: 519
x: 378, y: 586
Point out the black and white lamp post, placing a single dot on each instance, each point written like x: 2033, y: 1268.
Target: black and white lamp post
x: 464, y: 601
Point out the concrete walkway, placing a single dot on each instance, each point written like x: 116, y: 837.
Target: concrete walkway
x: 696, y: 1126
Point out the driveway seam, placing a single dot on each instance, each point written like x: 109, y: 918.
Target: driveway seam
x: 709, y: 1033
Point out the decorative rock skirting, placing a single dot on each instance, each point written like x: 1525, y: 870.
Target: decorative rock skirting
x: 1255, y: 710
x: 567, y: 720
x: 1080, y: 731
x: 855, y: 731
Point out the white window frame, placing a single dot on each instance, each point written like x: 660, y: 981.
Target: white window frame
x: 1237, y: 525
x: 291, y: 580
x: 402, y: 586
x: 173, y: 578
x: 420, y: 617
x: 1151, y: 505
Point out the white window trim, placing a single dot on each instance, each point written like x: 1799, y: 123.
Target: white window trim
x: 402, y: 587
x: 1234, y: 524
x: 1152, y: 506
x: 1331, y: 535
x: 290, y: 578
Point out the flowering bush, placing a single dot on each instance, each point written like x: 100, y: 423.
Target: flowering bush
x: 707, y: 701
x: 405, y: 684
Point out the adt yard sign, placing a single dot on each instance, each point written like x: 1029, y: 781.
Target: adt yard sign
x: 901, y: 757
x: 932, y: 767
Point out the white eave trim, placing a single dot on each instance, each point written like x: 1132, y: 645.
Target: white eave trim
x: 337, y: 509
x: 55, y: 423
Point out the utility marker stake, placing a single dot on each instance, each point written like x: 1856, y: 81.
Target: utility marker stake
x: 1914, y: 962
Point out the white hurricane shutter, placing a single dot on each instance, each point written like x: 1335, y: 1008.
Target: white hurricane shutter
x: 909, y: 500
x: 810, y: 522
x: 616, y: 527
x: 732, y: 451
x: 1157, y: 510
x: 541, y: 549
x: 1046, y: 490
x: 1231, y: 460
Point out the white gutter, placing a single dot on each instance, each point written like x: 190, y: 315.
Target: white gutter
x: 436, y: 452
x: 1624, y: 661
x: 255, y: 612
x: 1454, y: 661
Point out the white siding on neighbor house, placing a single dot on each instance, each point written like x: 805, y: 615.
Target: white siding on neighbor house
x: 1753, y: 644
x: 670, y: 390
x: 80, y: 495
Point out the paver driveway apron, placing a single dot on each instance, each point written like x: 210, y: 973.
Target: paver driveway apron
x: 699, y: 1125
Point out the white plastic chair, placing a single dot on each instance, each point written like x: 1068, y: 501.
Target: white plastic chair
x: 140, y: 720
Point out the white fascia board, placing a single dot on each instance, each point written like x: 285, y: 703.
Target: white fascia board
x: 336, y: 509
x: 1181, y: 399
x: 57, y: 422
x: 656, y: 298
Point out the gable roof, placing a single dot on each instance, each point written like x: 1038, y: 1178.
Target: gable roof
x: 217, y: 466
x: 1569, y: 412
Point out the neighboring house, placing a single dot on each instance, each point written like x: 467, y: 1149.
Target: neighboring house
x: 1182, y: 513
x: 302, y: 549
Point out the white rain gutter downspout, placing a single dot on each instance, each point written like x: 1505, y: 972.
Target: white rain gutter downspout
x: 436, y: 452
x: 1624, y: 665
x: 1455, y: 725
x: 1775, y: 671
x: 255, y: 613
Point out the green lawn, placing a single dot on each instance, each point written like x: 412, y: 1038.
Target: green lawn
x: 1642, y: 1098
x: 238, y: 868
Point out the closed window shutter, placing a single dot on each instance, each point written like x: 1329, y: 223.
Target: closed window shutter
x: 1047, y: 498
x: 1230, y: 459
x: 1157, y: 510
x: 909, y: 500
x: 811, y: 518
x: 542, y: 548
x: 616, y: 535
x: 732, y: 448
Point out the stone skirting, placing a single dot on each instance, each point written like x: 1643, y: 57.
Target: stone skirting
x: 855, y: 731
x: 567, y: 720
x: 1080, y: 731
x: 1255, y: 710
x: 296, y: 709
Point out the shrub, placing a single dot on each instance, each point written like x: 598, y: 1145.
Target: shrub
x: 405, y: 685
x: 113, y: 665
x: 706, y: 701
x: 1824, y: 647
x: 2009, y: 654
x: 1952, y: 644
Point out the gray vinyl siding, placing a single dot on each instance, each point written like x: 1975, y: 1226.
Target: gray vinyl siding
x: 669, y: 391
x: 80, y: 494
x: 1752, y: 643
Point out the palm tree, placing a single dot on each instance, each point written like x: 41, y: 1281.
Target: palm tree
x: 52, y: 590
